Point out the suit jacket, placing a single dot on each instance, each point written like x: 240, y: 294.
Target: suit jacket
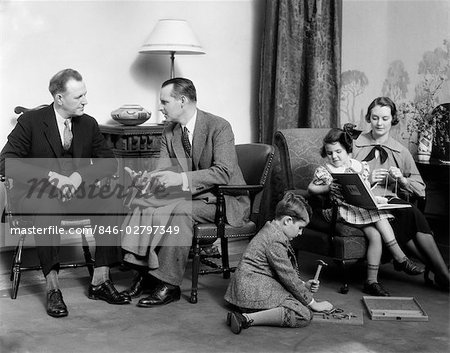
x: 36, y: 138
x: 267, y: 273
x: 214, y: 161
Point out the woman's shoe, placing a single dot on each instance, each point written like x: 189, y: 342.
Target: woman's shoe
x: 375, y: 289
x: 409, y: 267
x: 442, y: 282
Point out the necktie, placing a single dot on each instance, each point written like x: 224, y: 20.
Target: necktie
x: 67, y: 135
x: 185, y: 141
x: 371, y: 155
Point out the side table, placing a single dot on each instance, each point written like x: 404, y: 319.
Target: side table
x: 135, y: 147
x: 435, y: 174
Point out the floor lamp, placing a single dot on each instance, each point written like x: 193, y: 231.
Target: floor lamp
x: 172, y: 37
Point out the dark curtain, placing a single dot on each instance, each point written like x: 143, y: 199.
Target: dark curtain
x: 300, y: 65
x: 300, y: 74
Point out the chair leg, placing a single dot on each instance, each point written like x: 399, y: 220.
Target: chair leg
x: 195, y: 271
x: 344, y: 276
x: 13, y: 262
x: 225, y: 259
x: 15, y: 269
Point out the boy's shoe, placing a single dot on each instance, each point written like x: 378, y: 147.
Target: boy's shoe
x: 237, y: 322
x: 375, y: 289
x: 409, y: 267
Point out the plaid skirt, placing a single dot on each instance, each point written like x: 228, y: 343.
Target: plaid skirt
x: 357, y: 215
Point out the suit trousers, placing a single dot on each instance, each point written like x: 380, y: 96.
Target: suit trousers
x: 48, y: 211
x: 172, y: 253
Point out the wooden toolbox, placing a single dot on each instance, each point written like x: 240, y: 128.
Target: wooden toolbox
x: 394, y: 308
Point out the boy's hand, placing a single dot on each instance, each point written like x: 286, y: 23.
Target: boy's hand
x: 312, y: 285
x: 321, y: 306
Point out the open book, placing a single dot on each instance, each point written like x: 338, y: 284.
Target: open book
x: 356, y: 192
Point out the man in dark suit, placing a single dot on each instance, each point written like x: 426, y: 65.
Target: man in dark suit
x: 197, y: 153
x: 55, y: 155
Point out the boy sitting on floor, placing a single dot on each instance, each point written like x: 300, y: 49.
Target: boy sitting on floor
x: 266, y: 288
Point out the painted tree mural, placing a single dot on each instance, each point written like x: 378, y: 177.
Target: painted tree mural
x: 395, y: 86
x: 353, y: 84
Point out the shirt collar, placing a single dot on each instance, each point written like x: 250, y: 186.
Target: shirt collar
x: 191, y: 123
x: 60, y: 119
x: 366, y: 139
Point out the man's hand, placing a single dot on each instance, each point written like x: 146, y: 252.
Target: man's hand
x: 312, y: 285
x: 321, y: 306
x: 166, y: 179
x: 66, y: 185
x: 140, y: 180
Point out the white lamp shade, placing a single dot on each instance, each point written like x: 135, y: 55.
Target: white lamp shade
x: 171, y: 36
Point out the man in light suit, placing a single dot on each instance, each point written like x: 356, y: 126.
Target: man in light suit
x: 197, y: 153
x: 64, y: 152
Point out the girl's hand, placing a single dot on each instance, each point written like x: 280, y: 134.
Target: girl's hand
x: 336, y: 191
x: 381, y: 200
x: 312, y: 285
x: 378, y: 175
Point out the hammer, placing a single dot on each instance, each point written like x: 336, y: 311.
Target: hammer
x: 320, y: 264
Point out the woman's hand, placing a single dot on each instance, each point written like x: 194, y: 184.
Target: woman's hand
x: 312, y: 285
x: 378, y: 175
x: 396, y: 174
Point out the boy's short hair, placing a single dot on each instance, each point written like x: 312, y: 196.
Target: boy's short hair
x: 295, y: 206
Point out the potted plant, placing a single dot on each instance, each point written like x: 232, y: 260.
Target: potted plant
x: 421, y: 118
x: 441, y: 143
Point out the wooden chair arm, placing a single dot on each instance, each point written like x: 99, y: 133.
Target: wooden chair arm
x: 236, y: 190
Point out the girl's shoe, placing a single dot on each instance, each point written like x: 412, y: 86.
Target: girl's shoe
x: 375, y: 289
x: 409, y: 267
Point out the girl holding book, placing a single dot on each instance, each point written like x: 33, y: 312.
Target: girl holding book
x: 336, y: 149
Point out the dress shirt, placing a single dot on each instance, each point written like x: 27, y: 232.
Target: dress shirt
x: 60, y: 122
x: 190, y: 126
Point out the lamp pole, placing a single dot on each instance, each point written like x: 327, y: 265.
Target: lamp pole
x: 172, y: 64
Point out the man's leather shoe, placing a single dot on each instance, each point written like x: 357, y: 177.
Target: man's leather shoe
x: 55, y: 304
x: 409, y: 267
x: 375, y: 289
x: 161, y: 295
x: 140, y: 285
x: 107, y: 292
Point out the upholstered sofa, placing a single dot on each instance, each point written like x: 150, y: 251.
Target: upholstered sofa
x: 299, y: 151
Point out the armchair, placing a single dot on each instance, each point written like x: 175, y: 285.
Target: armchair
x: 255, y: 161
x: 299, y: 156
